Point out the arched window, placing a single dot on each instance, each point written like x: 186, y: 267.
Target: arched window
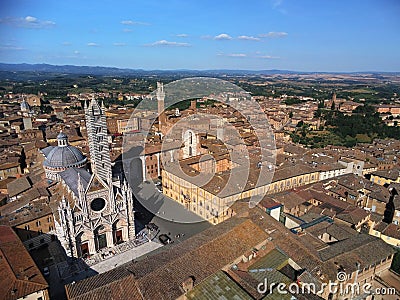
x: 190, y: 138
x: 190, y: 151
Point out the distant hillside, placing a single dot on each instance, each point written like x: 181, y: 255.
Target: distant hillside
x: 43, y: 69
x: 90, y: 70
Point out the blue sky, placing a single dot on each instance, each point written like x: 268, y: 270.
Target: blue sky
x: 270, y: 34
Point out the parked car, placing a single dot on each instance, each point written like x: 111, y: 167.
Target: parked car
x: 164, y: 239
x: 152, y: 227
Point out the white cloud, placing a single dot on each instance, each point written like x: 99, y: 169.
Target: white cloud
x: 119, y: 44
x: 93, y: 44
x: 248, y: 38
x: 237, y: 55
x: 11, y: 47
x: 254, y: 55
x: 277, y: 5
x: 168, y: 44
x: 182, y: 35
x: 274, y: 34
x: 222, y: 36
x: 232, y: 54
x: 30, y: 19
x: 127, y: 30
x: 66, y: 44
x: 267, y: 57
x: 130, y: 23
x: 28, y: 22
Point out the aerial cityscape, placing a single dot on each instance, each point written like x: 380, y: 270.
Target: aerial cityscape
x: 199, y: 150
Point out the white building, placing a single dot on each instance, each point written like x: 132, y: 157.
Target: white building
x: 93, y: 210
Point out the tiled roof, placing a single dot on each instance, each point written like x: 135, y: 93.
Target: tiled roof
x: 19, y: 276
x: 289, y: 199
x: 353, y: 215
x: 118, y: 284
x: 18, y: 186
x: 199, y: 256
x: 70, y: 177
x: 218, y: 286
x: 392, y: 230
x: 392, y: 174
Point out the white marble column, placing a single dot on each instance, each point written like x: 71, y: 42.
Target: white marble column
x: 92, y: 246
x: 125, y: 235
x: 109, y: 238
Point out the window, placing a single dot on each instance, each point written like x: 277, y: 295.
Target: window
x: 26, y: 227
x: 37, y: 223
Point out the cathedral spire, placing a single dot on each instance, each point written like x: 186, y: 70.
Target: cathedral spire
x: 81, y: 195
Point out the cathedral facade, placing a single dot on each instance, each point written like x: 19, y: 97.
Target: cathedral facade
x: 93, y: 211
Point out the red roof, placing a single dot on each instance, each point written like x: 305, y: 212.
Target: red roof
x: 19, y: 275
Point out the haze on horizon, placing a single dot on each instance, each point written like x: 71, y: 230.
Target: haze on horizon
x: 325, y: 36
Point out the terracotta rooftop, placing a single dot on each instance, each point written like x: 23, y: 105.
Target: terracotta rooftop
x: 18, y: 186
x: 353, y: 215
x: 199, y: 256
x: 19, y: 276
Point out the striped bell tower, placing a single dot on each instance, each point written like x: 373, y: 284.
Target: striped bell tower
x: 98, y: 141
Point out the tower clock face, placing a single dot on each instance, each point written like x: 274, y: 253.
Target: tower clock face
x: 98, y: 204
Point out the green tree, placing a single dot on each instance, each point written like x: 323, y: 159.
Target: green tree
x: 318, y: 113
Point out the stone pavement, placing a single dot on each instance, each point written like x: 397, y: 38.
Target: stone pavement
x: 125, y: 257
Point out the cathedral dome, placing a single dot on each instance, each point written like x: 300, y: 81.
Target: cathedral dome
x: 64, y: 156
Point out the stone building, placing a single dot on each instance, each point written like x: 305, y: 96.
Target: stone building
x: 91, y: 210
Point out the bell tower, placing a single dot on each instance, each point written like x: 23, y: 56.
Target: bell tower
x: 160, y: 105
x: 98, y: 142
